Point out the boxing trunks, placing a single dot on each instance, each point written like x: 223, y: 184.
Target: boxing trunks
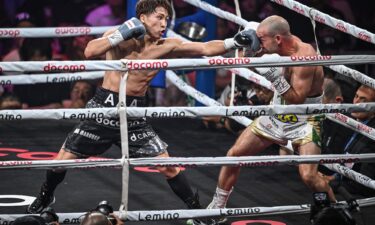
x: 94, y: 136
x: 299, y: 129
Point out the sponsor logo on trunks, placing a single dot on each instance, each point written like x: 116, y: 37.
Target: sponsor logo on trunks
x: 70, y: 68
x: 158, y: 216
x: 72, y: 30
x: 362, y: 35
x: 228, y: 61
x: 310, y: 58
x: 108, y: 122
x: 110, y: 99
x: 287, y: 118
x: 239, y: 211
x: 136, y: 122
x: 140, y: 136
x: 147, y: 65
x: 298, y: 10
x: 9, y: 32
x: 10, y: 117
x: 87, y: 134
x: 341, y: 26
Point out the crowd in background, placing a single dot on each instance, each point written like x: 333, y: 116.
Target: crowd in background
x: 337, y: 88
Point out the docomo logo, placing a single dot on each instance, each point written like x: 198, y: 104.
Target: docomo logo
x: 364, y: 128
x: 228, y: 61
x: 363, y: 36
x: 310, y: 58
x: 341, y: 117
x: 9, y: 33
x: 320, y: 19
x: 15, y: 163
x: 341, y: 26
x: 69, y: 68
x: 147, y: 65
x: 73, y: 30
x: 298, y: 9
x: 281, y: 2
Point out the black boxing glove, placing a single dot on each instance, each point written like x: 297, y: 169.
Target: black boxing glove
x: 246, y: 38
x: 132, y: 28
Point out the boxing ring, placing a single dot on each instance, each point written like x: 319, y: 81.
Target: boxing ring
x: 88, y: 70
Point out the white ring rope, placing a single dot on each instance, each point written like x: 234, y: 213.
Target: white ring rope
x: 192, y: 162
x: 100, y: 114
x: 162, y: 215
x: 352, y: 124
x: 49, y: 78
x: 328, y: 20
x: 39, y: 32
x: 346, y: 71
x: 180, y: 84
x: 187, y: 63
x: 340, y: 118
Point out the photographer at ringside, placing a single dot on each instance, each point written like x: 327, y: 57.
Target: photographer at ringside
x: 46, y: 217
x: 323, y: 212
x: 101, y: 215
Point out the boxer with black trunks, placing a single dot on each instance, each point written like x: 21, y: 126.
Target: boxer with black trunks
x: 137, y: 38
x: 294, y: 85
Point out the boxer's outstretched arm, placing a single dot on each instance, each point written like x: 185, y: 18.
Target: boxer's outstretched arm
x: 98, y: 46
x: 190, y: 49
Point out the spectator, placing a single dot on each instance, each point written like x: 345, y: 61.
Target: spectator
x: 334, y: 135
x: 359, y: 144
x: 10, y: 102
x: 82, y: 91
x: 109, y: 14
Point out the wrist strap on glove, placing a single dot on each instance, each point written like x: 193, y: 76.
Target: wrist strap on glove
x: 281, y: 85
x: 115, y: 38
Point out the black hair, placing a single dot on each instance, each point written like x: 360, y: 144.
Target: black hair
x: 148, y: 6
x: 29, y: 220
x: 31, y: 46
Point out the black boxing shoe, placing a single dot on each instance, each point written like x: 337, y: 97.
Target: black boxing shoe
x: 44, y: 199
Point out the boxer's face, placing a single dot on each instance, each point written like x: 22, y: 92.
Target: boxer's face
x: 268, y: 42
x: 156, y: 22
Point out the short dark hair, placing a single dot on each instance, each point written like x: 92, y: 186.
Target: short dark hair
x: 148, y: 6
x: 29, y: 220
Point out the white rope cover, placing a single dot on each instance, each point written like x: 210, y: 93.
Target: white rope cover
x: 169, y: 112
x: 162, y: 215
x: 192, y: 162
x: 243, y: 72
x: 49, y: 78
x: 328, y: 20
x: 352, y: 124
x: 125, y: 65
x: 356, y: 75
x: 52, y: 31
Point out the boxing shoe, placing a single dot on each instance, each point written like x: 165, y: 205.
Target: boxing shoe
x: 45, y: 199
x: 219, y: 220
